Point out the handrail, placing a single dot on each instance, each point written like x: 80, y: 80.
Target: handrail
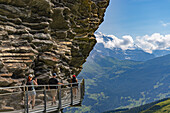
x: 64, y: 84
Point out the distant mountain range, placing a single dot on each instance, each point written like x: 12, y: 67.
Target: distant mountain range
x: 136, y: 54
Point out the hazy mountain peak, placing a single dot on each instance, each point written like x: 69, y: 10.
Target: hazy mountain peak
x: 128, y: 48
x: 147, y: 43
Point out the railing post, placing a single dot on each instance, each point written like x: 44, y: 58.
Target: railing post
x: 83, y: 89
x: 24, y: 98
x: 80, y: 89
x: 71, y: 90
x: 27, y: 106
x: 45, y: 100
x: 59, y: 98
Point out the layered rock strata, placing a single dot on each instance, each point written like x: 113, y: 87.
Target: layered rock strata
x: 46, y: 36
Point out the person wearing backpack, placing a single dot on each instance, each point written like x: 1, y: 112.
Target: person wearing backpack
x: 53, y: 81
x: 31, y: 89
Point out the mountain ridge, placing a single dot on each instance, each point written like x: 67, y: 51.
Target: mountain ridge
x: 110, y: 45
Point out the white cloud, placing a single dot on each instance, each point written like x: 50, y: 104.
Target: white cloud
x: 148, y: 43
x: 164, y: 24
x: 154, y: 42
x: 113, y: 42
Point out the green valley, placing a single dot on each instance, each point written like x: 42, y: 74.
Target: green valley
x: 113, y: 83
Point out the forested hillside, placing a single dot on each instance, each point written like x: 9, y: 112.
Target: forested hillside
x: 113, y: 83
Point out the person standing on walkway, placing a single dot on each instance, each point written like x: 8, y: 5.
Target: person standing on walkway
x: 53, y: 81
x: 31, y: 89
x: 75, y: 85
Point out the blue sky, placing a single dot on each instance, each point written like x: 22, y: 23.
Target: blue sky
x: 136, y: 18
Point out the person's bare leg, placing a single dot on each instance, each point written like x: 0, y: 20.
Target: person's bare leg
x: 33, y: 101
x: 29, y: 100
x: 54, y: 99
x: 53, y: 102
x: 74, y: 92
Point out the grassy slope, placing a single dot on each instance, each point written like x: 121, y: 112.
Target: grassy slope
x: 162, y: 107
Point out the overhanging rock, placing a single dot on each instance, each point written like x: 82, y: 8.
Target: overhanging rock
x: 46, y: 36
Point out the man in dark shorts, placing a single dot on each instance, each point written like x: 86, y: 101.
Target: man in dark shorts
x: 53, y: 89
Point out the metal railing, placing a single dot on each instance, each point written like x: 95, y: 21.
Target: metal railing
x: 15, y: 99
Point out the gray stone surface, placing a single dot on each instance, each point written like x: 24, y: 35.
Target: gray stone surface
x: 46, y: 36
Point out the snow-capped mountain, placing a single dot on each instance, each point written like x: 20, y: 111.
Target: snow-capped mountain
x: 136, y: 54
x: 124, y: 48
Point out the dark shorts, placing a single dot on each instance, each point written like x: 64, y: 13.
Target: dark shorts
x: 75, y: 85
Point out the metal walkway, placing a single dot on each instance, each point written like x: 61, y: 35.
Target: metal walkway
x: 15, y: 99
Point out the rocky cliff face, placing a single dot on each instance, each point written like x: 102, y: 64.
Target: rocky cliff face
x: 46, y: 36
